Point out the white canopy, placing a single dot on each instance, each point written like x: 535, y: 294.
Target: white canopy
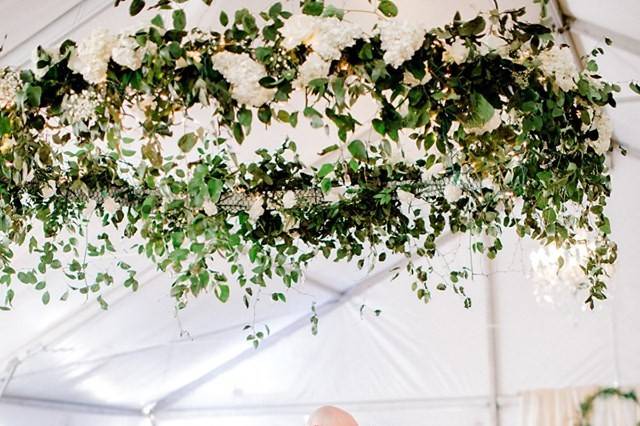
x: 71, y: 363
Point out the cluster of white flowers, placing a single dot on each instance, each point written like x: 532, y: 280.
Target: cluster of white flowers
x: 9, y: 86
x: 457, y: 52
x: 91, y: 56
x: 558, y: 62
x: 244, y: 74
x: 127, y: 52
x: 80, y: 107
x: 326, y: 36
x: 314, y: 67
x: 400, y: 40
x: 603, y: 124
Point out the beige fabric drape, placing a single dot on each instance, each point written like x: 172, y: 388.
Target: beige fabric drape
x: 560, y: 407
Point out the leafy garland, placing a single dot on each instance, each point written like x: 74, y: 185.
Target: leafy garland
x: 509, y: 135
x: 586, y: 407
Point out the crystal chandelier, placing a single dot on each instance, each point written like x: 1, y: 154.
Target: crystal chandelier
x: 557, y: 273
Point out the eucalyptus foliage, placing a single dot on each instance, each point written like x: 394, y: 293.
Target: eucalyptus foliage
x: 501, y: 145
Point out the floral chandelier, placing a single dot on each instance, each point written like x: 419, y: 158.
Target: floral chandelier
x: 509, y: 134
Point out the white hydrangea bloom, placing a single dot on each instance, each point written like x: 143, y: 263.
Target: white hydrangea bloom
x: 603, y: 124
x: 244, y: 75
x: 452, y: 193
x: 400, y: 40
x: 128, y: 53
x: 91, y: 56
x: 80, y: 107
x: 314, y: 67
x: 326, y: 36
x: 257, y: 209
x: 289, y: 200
x: 299, y: 29
x: 493, y: 124
x: 558, y: 62
x: 334, y: 36
x: 457, y: 52
x: 9, y: 86
x: 110, y: 205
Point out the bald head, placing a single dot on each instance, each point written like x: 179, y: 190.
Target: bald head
x: 331, y: 416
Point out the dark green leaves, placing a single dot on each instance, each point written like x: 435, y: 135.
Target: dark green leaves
x: 481, y: 110
x: 179, y: 19
x: 473, y: 27
x: 135, y: 7
x: 313, y: 7
x: 388, y: 8
x: 358, y: 150
x: 635, y: 87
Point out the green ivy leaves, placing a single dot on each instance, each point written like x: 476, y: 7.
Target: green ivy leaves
x: 388, y: 8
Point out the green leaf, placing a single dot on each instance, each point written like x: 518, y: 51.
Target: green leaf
x: 136, y: 7
x: 325, y: 170
x: 275, y: 10
x: 34, y: 95
x: 329, y: 149
x: 224, y: 19
x: 245, y: 118
x: 473, y: 27
x: 358, y: 150
x: 222, y: 292
x: 481, y: 110
x: 313, y: 7
x: 158, y: 21
x: 187, y: 142
x: 46, y: 298
x: 388, y: 8
x: 215, y: 189
x: 635, y: 87
x: 179, y: 19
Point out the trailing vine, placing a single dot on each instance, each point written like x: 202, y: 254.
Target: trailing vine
x: 586, y: 407
x: 508, y: 133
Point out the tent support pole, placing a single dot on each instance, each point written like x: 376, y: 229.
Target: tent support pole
x: 12, y: 366
x: 492, y: 340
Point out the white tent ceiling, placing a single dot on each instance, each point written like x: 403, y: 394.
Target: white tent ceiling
x: 416, y: 364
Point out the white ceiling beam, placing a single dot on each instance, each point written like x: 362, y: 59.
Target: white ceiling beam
x: 50, y: 35
x: 597, y: 32
x: 73, y: 407
x: 302, y: 408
